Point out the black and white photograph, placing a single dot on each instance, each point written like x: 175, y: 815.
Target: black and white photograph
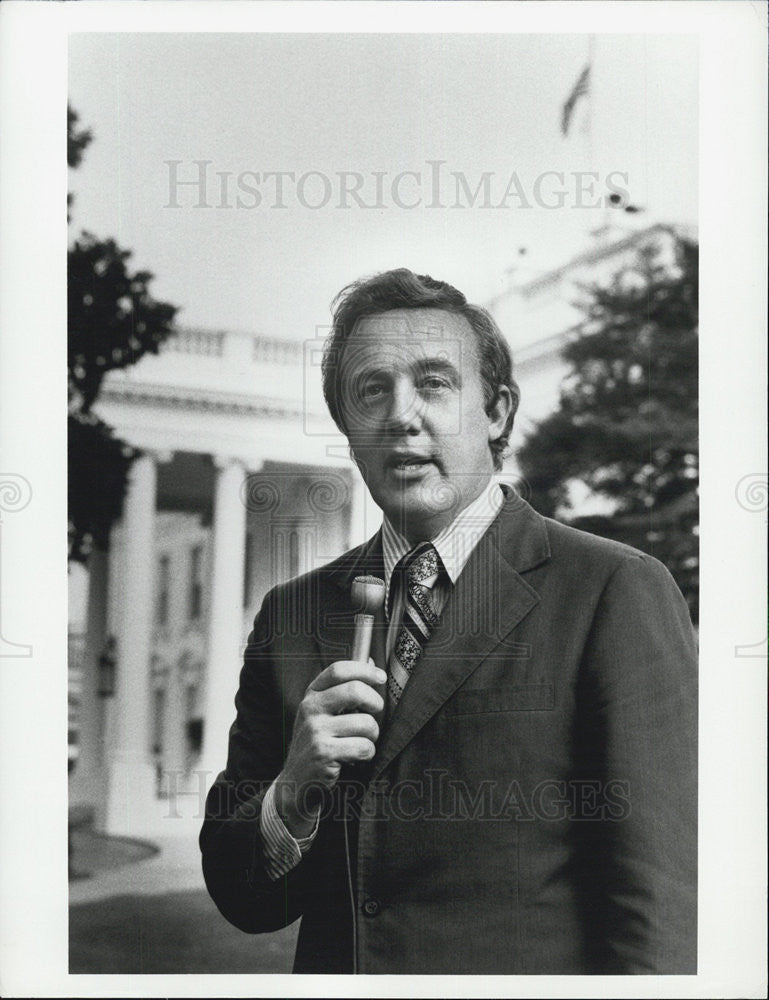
x: 402, y: 556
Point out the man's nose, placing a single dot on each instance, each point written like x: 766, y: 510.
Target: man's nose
x: 406, y: 408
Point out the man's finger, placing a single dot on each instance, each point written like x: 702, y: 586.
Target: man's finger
x: 352, y: 696
x: 348, y: 670
x: 355, y: 724
x: 349, y: 749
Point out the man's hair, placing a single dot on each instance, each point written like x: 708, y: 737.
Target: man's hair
x: 402, y: 289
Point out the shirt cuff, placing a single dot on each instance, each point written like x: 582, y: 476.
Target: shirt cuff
x: 281, y: 850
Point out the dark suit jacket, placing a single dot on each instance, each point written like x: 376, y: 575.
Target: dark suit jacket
x: 532, y: 804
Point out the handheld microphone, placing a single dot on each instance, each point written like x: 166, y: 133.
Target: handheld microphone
x: 368, y: 594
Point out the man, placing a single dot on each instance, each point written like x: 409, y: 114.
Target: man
x: 508, y: 786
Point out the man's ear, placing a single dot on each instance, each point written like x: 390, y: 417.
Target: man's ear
x: 502, y: 411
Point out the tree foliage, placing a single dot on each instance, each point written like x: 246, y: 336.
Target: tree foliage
x: 113, y: 320
x: 77, y: 140
x: 627, y: 424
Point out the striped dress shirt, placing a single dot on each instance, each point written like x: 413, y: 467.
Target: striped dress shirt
x: 455, y: 545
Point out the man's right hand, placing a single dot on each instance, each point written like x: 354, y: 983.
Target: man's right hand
x: 334, y: 725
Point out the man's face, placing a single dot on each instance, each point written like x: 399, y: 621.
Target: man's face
x: 413, y: 406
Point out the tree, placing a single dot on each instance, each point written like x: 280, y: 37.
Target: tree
x: 76, y: 144
x: 113, y: 320
x: 627, y: 423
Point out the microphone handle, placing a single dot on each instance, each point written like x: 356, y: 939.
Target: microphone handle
x: 361, y: 650
x: 361, y: 639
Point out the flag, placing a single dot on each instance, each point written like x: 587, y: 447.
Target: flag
x: 581, y: 89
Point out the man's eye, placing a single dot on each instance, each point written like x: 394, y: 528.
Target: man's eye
x: 434, y: 383
x: 372, y: 390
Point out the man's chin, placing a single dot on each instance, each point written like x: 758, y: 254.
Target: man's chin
x: 419, y: 504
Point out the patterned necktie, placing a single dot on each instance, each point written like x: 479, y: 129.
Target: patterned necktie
x: 418, y: 571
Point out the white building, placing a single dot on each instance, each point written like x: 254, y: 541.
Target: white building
x: 538, y: 311
x: 243, y: 482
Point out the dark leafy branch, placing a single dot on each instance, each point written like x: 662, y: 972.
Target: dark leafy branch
x: 113, y: 320
x: 627, y: 425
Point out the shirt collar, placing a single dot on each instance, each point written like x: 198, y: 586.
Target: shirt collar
x: 455, y: 543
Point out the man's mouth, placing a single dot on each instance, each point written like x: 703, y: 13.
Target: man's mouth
x: 408, y: 461
x: 409, y: 466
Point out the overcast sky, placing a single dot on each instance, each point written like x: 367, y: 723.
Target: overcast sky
x: 373, y: 105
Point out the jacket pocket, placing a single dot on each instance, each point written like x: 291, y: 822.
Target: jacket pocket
x: 512, y: 698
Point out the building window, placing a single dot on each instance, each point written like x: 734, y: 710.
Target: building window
x: 158, y: 720
x: 247, y: 569
x: 193, y: 723
x: 164, y: 583
x: 196, y: 583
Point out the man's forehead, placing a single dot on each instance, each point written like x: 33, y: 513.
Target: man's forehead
x: 408, y: 336
x: 423, y: 324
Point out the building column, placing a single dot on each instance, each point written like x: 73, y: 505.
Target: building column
x: 86, y: 786
x: 131, y: 793
x: 175, y: 751
x: 225, y: 641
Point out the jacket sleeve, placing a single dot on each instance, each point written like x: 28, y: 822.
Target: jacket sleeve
x: 640, y: 672
x: 230, y: 839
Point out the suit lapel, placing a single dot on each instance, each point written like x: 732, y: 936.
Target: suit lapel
x: 490, y: 598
